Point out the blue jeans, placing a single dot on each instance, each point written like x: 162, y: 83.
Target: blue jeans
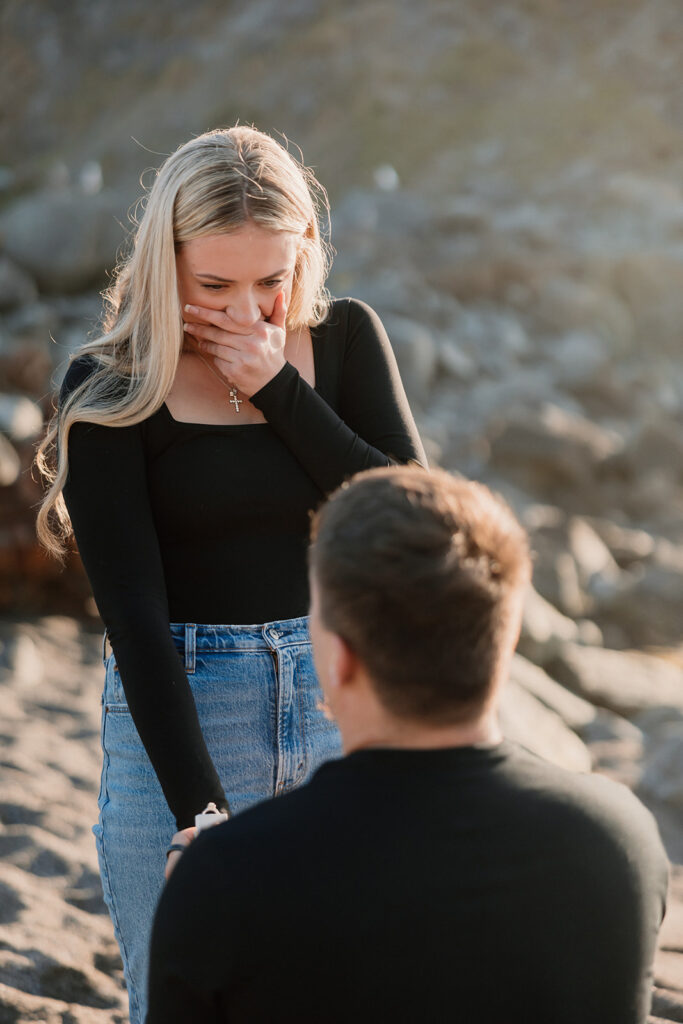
x: 256, y: 694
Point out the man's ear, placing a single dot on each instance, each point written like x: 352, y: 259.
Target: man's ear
x: 343, y: 663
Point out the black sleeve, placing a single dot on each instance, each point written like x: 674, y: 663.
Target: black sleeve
x: 374, y: 426
x: 192, y: 965
x: 107, y: 499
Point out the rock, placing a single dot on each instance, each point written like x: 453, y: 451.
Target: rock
x: 660, y: 723
x: 64, y: 239
x: 27, y: 369
x: 464, y: 213
x: 494, y: 337
x: 662, y: 777
x: 650, y: 284
x: 20, y: 658
x: 626, y: 545
x: 16, y: 287
x: 575, y: 712
x: 667, y: 1005
x: 455, y: 361
x: 625, y: 682
x: 578, y: 356
x: 647, y: 605
x: 527, y: 721
x: 570, y: 596
x: 20, y: 418
x: 416, y: 354
x: 606, y: 727
x: 566, y: 305
x: 543, y: 627
x: 654, y: 443
x: 530, y: 223
x: 550, y: 448
x: 598, y: 573
x: 669, y: 970
x: 10, y: 463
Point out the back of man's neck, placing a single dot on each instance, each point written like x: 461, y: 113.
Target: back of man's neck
x: 410, y: 735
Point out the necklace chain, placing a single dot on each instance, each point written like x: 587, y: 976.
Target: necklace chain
x: 233, y: 400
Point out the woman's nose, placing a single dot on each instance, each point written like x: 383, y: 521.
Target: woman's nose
x: 244, y: 310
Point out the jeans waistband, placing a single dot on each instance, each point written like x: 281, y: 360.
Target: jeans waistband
x: 191, y: 637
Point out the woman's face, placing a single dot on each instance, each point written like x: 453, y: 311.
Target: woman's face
x: 240, y: 272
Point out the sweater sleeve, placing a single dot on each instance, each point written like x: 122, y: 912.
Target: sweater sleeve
x: 107, y: 499
x: 374, y: 425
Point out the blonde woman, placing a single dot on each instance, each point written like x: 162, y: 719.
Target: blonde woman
x: 226, y: 397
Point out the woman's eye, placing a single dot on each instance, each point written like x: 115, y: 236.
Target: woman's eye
x: 213, y: 287
x: 272, y: 284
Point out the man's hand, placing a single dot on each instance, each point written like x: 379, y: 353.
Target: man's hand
x: 247, y: 357
x: 183, y: 838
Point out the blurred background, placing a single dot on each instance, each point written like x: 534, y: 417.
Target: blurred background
x: 506, y: 190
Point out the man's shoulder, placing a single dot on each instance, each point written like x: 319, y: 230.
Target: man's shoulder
x: 587, y: 808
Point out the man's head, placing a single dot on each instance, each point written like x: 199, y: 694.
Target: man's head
x: 418, y: 577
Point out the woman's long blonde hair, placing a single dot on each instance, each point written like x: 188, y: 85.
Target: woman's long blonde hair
x: 214, y: 183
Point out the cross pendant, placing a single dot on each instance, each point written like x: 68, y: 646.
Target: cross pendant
x: 234, y: 400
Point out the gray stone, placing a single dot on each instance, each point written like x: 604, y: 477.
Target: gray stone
x: 578, y: 357
x: 64, y: 239
x: 650, y: 284
x: 648, y: 604
x: 543, y: 627
x: 598, y: 572
x: 455, y: 361
x: 494, y: 339
x: 564, y: 304
x: 662, y: 777
x: 627, y: 545
x: 625, y: 682
x: 16, y: 286
x: 464, y: 213
x: 660, y: 723
x: 575, y: 712
x: 570, y: 596
x: 20, y: 658
x: 550, y: 446
x: 10, y: 463
x: 20, y: 418
x: 528, y: 721
x: 654, y: 443
x: 416, y: 354
x: 606, y: 727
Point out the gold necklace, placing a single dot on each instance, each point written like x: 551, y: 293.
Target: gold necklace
x: 233, y: 400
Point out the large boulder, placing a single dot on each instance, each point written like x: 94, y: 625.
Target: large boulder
x: 650, y: 284
x: 550, y: 449
x: 64, y: 239
x: 625, y: 682
x: 528, y: 721
x: 16, y: 287
x: 575, y: 712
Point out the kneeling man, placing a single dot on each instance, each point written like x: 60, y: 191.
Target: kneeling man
x: 436, y: 872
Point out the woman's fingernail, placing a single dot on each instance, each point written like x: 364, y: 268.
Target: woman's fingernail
x: 190, y: 309
x: 186, y: 327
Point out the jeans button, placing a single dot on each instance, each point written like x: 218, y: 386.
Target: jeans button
x: 275, y: 634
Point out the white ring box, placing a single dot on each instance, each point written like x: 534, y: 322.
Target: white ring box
x: 209, y: 817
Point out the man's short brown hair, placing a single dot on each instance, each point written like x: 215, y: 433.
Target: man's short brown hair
x: 421, y: 574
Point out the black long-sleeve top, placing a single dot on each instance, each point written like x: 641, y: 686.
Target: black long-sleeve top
x: 188, y: 522
x: 464, y: 884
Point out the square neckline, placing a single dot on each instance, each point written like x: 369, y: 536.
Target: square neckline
x: 245, y: 426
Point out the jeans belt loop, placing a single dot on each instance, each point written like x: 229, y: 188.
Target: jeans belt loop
x: 190, y: 647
